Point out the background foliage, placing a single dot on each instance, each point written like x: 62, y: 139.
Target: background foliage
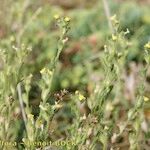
x: 72, y: 79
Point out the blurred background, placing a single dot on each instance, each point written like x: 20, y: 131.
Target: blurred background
x: 89, y: 33
x: 32, y: 23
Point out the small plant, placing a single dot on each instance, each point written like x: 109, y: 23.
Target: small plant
x: 72, y: 95
x: 36, y: 128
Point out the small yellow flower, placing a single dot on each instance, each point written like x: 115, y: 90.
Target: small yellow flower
x: 80, y: 96
x: 67, y: 19
x: 147, y: 45
x: 46, y: 70
x: 39, y: 123
x: 15, y: 48
x: 58, y: 106
x: 105, y: 46
x: 49, y: 72
x: 65, y: 40
x: 43, y: 70
x: 114, y: 37
x: 106, y: 128
x: 56, y: 16
x: 109, y: 107
x: 146, y: 99
x: 30, y: 76
x: 76, y: 92
x: 30, y: 116
x: 112, y: 18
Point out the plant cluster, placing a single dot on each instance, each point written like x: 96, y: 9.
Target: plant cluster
x: 80, y: 91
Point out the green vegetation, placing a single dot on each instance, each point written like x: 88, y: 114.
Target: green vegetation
x: 73, y: 78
